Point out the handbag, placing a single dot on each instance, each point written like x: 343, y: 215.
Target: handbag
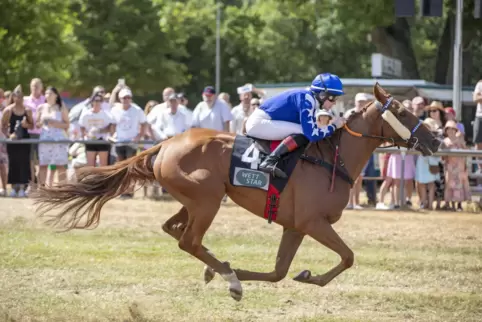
x: 434, y: 169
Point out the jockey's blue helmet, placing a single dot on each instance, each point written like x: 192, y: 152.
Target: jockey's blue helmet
x: 327, y: 83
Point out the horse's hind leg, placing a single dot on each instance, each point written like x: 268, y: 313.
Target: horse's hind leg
x: 200, y: 219
x: 290, y: 242
x: 322, y: 231
x: 175, y: 226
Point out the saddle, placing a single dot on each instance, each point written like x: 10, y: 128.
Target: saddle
x: 248, y: 153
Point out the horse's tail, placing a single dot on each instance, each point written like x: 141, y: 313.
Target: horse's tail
x: 94, y: 187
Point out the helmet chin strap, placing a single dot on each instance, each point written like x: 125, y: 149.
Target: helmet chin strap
x: 319, y: 99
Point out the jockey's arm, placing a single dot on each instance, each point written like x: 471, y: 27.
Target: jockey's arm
x: 310, y: 128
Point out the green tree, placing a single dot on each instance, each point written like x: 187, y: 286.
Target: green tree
x: 123, y: 39
x: 423, y: 44
x: 37, y: 40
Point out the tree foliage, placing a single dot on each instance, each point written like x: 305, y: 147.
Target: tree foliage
x: 37, y: 40
x: 123, y: 39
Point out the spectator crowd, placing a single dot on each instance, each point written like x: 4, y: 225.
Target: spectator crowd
x: 114, y: 117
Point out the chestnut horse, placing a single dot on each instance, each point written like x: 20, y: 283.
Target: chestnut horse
x: 197, y: 161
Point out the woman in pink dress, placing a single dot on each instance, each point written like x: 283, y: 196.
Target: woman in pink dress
x: 394, y: 171
x: 456, y: 175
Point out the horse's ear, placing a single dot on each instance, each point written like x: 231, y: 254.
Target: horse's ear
x: 378, y: 93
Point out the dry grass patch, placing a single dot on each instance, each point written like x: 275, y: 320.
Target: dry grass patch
x: 409, y: 266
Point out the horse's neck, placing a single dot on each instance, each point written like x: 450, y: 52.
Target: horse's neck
x: 358, y: 156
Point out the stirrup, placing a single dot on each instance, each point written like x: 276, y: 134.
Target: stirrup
x: 273, y: 170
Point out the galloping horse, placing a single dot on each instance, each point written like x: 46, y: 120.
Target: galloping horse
x: 197, y: 161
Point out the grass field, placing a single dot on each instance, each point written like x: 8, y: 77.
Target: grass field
x: 408, y: 267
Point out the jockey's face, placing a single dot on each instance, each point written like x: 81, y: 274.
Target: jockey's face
x: 326, y: 100
x: 327, y: 104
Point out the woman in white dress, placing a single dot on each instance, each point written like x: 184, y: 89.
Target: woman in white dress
x: 53, y: 119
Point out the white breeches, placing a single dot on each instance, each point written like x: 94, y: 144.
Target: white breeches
x: 260, y: 125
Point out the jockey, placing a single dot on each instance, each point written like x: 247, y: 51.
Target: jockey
x: 290, y: 116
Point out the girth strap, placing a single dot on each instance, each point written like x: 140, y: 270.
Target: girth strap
x: 329, y: 167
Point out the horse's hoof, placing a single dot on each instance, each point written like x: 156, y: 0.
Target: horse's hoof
x: 303, y: 276
x: 236, y: 293
x: 209, y: 274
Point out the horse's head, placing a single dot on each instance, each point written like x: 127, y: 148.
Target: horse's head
x: 401, y: 126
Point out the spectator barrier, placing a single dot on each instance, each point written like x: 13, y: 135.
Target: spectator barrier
x: 452, y: 152
x: 404, y: 152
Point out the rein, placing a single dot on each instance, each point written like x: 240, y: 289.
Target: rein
x: 376, y: 137
x: 383, y: 108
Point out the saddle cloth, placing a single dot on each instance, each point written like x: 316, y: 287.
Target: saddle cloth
x: 247, y: 154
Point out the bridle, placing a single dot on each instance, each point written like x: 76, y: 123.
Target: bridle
x: 411, y: 141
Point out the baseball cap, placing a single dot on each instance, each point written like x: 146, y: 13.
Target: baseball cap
x: 418, y: 100
x: 209, y: 91
x: 363, y: 97
x: 125, y: 92
x: 450, y: 110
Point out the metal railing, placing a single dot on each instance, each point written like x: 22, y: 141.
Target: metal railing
x: 37, y: 141
x: 445, y: 152
x: 441, y: 153
x: 392, y: 150
x: 451, y: 152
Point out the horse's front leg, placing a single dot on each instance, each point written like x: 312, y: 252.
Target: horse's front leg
x: 290, y: 242
x: 322, y: 231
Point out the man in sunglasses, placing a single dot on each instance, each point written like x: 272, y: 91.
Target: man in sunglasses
x: 290, y: 116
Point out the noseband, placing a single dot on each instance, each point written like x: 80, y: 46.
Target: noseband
x: 406, y: 136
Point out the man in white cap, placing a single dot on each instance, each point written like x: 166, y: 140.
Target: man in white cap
x: 418, y: 106
x: 244, y: 109
x: 130, y: 124
x: 157, y: 110
x: 361, y: 99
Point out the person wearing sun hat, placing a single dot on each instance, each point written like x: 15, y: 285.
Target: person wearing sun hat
x: 424, y: 178
x: 456, y: 174
x: 450, y: 115
x: 436, y: 111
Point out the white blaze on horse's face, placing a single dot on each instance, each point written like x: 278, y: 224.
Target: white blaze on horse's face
x: 396, y: 125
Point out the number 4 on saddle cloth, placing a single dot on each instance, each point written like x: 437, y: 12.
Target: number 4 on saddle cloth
x: 247, y: 154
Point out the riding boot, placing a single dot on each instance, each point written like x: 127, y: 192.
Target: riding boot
x: 289, y: 144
